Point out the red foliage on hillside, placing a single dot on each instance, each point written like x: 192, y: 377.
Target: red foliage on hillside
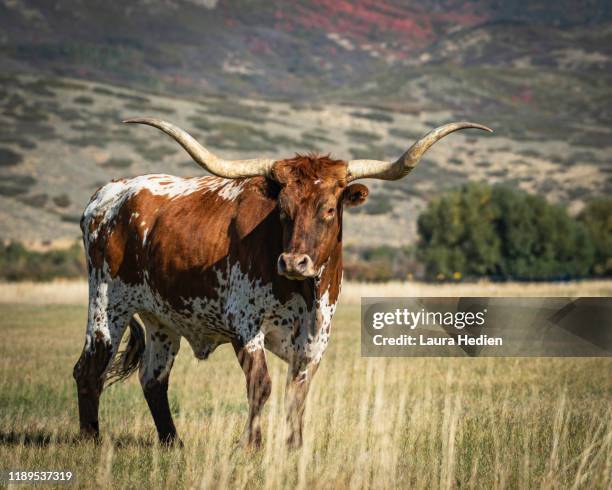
x: 400, y: 26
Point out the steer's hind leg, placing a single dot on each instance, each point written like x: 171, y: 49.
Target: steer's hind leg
x: 105, y: 328
x: 161, y: 348
x: 252, y: 359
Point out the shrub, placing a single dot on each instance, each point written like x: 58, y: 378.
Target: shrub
x: 405, y: 134
x: 9, y: 158
x: 377, y: 204
x: 201, y: 123
x: 15, y: 185
x: 362, y: 136
x: 103, y: 91
x: 379, y: 264
x: 20, y: 264
x: 117, y: 163
x: 374, y: 116
x: 153, y: 153
x: 597, y: 217
x: 503, y: 233
x: 83, y: 99
x: 62, y: 200
x: 35, y: 200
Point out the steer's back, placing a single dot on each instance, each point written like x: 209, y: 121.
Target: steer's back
x: 161, y: 226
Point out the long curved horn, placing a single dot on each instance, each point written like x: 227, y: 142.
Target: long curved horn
x: 378, y: 169
x: 229, y: 169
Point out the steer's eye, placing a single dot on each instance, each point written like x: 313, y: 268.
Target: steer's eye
x: 329, y: 213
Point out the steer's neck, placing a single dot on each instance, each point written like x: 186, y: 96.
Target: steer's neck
x: 330, y: 280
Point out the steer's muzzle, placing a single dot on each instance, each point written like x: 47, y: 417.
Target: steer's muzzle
x: 295, y: 266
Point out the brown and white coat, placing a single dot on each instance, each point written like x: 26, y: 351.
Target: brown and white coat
x: 254, y: 261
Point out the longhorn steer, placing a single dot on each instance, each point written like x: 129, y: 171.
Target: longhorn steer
x: 252, y: 256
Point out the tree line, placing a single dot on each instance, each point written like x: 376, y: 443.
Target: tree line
x: 497, y: 232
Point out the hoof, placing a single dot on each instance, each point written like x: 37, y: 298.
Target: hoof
x: 90, y: 432
x: 251, y: 441
x: 294, y: 442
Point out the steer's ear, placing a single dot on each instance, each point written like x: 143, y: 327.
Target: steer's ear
x: 355, y: 195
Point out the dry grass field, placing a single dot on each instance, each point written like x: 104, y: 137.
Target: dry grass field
x: 379, y: 423
x: 75, y: 291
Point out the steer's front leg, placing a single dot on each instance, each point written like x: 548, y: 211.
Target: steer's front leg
x: 299, y: 377
x: 252, y: 359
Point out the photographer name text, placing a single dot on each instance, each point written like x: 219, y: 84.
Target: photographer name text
x: 407, y: 319
x: 461, y: 340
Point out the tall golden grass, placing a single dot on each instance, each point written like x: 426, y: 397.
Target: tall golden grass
x: 75, y: 291
x: 370, y: 422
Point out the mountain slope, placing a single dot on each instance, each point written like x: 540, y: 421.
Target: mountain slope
x: 265, y: 48
x: 63, y: 139
x: 250, y: 77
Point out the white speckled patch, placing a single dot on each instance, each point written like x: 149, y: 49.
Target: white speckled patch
x: 244, y: 308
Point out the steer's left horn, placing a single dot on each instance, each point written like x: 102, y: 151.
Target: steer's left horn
x: 377, y: 169
x: 229, y: 169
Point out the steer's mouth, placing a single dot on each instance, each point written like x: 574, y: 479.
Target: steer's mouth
x: 294, y: 277
x: 295, y: 266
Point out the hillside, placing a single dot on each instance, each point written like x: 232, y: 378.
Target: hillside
x: 63, y: 139
x: 303, y: 49
x: 253, y: 77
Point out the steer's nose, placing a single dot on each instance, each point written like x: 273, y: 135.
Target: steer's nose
x: 295, y: 266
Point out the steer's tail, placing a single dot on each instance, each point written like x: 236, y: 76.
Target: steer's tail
x: 128, y: 360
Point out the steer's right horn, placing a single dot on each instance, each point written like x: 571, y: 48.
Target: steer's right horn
x: 379, y: 169
x: 229, y: 169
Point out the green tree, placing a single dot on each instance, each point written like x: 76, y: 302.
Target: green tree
x: 597, y: 217
x: 17, y: 263
x: 539, y: 240
x: 457, y: 235
x: 501, y: 232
